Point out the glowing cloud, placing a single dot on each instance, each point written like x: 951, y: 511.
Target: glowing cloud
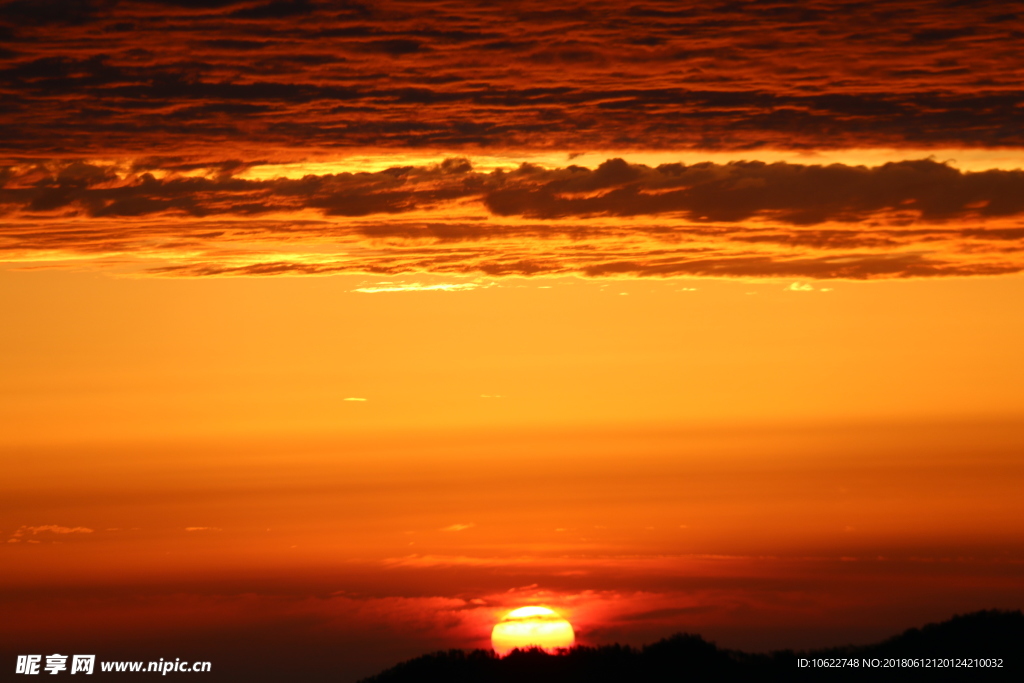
x: 417, y: 287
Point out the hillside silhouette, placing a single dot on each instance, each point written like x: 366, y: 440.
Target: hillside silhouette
x: 687, y: 657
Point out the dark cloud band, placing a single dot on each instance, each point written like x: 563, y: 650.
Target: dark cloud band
x: 795, y: 194
x: 744, y: 219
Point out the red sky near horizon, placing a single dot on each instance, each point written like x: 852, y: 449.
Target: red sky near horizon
x: 334, y: 331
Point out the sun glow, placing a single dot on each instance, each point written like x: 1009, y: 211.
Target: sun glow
x: 532, y: 627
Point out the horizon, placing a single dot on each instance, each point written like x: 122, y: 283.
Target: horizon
x: 980, y: 636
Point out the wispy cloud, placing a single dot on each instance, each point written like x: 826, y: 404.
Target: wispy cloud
x: 24, y: 530
x: 417, y: 287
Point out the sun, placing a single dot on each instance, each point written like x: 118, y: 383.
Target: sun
x: 532, y: 627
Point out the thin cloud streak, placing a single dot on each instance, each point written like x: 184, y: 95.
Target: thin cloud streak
x: 417, y: 287
x: 23, y: 530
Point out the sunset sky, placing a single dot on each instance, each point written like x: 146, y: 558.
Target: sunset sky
x: 334, y: 331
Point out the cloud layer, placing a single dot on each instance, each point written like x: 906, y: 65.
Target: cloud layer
x: 119, y: 78
x: 147, y: 131
x: 748, y: 219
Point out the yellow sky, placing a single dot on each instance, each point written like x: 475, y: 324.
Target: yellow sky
x: 101, y: 358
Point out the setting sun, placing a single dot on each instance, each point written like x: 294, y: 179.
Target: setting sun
x: 532, y: 627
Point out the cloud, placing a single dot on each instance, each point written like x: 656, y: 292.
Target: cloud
x: 458, y: 527
x: 22, y: 531
x: 794, y: 194
x: 120, y: 78
x: 56, y: 529
x: 789, y: 193
x: 667, y: 613
x: 100, y: 191
x: 748, y: 219
x: 203, y: 528
x: 417, y: 287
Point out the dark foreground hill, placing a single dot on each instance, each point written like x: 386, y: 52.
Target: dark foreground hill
x: 968, y: 647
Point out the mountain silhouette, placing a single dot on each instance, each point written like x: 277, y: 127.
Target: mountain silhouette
x: 966, y: 647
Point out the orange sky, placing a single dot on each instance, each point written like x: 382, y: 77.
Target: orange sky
x: 333, y: 332
x: 742, y: 459
x: 109, y: 358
